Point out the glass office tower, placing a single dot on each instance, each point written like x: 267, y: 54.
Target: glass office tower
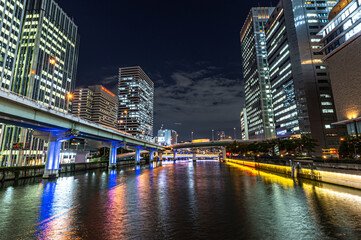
x: 48, y: 55
x: 136, y: 94
x: 258, y: 97
x: 45, y: 71
x: 302, y: 95
x: 11, y: 21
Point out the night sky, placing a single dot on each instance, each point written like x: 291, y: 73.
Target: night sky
x: 189, y: 48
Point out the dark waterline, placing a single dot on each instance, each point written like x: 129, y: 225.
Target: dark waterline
x: 205, y: 200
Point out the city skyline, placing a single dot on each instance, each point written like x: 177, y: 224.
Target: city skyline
x: 194, y: 59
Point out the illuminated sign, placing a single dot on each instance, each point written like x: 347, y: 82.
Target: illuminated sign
x: 106, y: 90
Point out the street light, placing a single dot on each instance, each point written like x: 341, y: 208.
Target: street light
x: 212, y: 134
x: 126, y: 120
x: 192, y: 136
x: 235, y: 136
x: 52, y: 61
x: 70, y: 96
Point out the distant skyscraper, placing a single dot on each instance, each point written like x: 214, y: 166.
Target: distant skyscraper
x: 302, y: 95
x: 342, y: 44
x: 167, y: 137
x: 11, y: 21
x: 96, y: 104
x: 136, y: 93
x: 258, y: 96
x: 45, y: 67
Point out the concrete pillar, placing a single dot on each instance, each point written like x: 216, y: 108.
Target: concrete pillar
x: 113, y: 155
x: 160, y: 156
x: 194, y: 156
x: 224, y: 154
x: 52, y: 159
x: 174, y: 155
x: 151, y: 158
x: 54, y: 140
x: 137, y: 157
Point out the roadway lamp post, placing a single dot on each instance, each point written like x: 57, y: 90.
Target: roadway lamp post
x: 69, y: 97
x: 235, y: 136
x: 126, y: 120
x: 212, y: 134
x: 52, y: 62
x: 192, y: 135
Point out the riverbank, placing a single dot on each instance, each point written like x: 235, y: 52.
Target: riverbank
x: 347, y: 176
x: 15, y: 173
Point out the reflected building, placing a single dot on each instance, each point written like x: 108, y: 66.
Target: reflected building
x: 135, y: 95
x: 342, y: 46
x: 302, y: 96
x: 258, y: 96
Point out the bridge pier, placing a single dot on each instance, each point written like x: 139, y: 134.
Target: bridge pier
x: 224, y: 154
x: 174, y: 155
x: 113, y: 149
x: 55, y: 139
x: 151, y: 157
x: 194, y: 157
x: 137, y: 156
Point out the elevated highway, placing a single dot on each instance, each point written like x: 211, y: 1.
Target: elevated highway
x: 56, y: 127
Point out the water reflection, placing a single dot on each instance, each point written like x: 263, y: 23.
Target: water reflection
x: 179, y: 201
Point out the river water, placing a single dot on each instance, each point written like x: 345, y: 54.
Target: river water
x: 203, y: 200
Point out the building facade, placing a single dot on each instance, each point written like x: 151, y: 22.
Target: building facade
x: 136, y: 96
x: 342, y: 46
x: 258, y: 96
x: 301, y: 90
x: 11, y: 22
x: 96, y: 104
x: 83, y: 103
x: 45, y: 71
x: 167, y: 137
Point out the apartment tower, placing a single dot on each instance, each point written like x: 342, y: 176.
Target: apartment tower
x: 135, y: 111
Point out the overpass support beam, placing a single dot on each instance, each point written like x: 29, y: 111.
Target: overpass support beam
x: 55, y: 139
x: 224, y: 154
x: 174, y: 155
x: 151, y: 157
x: 113, y: 149
x: 137, y: 156
x: 194, y: 156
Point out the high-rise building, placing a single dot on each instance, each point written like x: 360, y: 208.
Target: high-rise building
x: 244, y: 124
x: 167, y: 137
x: 136, y: 93
x: 258, y: 96
x: 11, y: 21
x: 342, y: 45
x: 45, y: 69
x: 48, y: 55
x: 96, y: 104
x: 83, y: 103
x: 301, y: 90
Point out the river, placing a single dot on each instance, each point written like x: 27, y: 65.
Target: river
x: 186, y: 200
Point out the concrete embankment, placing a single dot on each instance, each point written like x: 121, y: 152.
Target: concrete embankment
x: 342, y: 175
x: 15, y: 173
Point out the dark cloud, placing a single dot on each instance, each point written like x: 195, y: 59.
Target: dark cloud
x: 202, y: 99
